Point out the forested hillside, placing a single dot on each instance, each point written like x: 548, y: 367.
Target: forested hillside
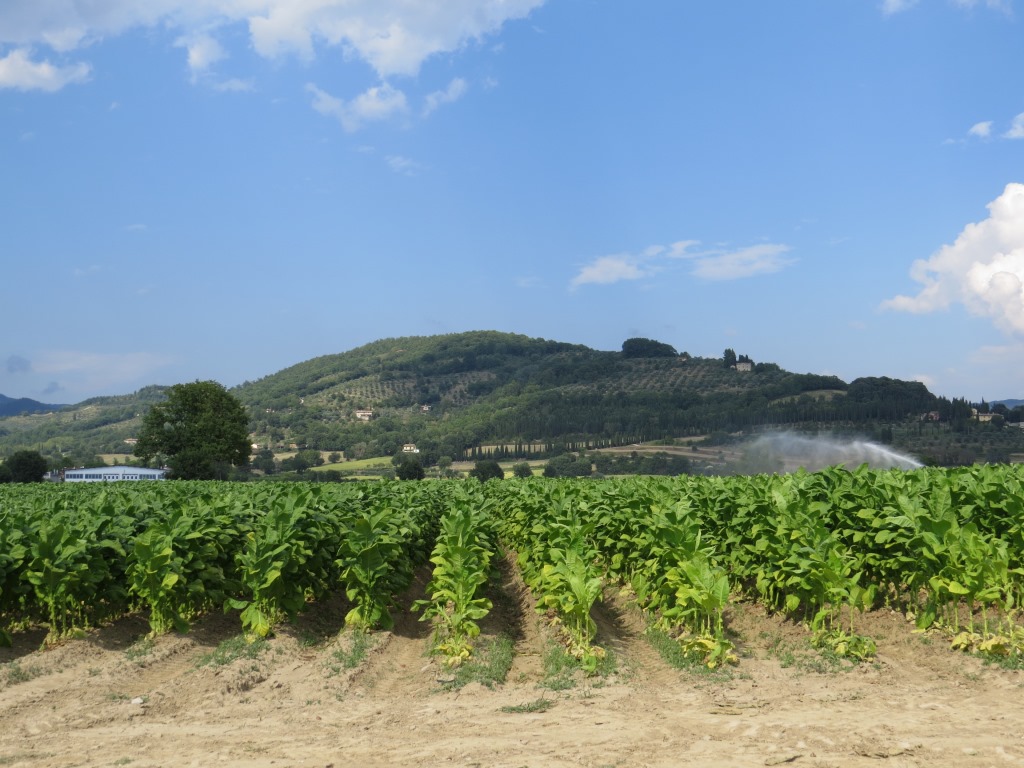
x: 451, y: 393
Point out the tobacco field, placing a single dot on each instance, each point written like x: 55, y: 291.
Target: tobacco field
x: 839, y: 563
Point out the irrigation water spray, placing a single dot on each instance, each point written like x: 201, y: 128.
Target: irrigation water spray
x: 787, y: 452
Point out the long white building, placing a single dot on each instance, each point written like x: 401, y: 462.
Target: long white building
x: 112, y: 474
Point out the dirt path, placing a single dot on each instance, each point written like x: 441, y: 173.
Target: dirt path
x: 109, y: 699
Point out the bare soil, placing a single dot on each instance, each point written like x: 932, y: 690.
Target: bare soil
x: 113, y: 698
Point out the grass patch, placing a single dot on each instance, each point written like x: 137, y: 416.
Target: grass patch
x: 559, y: 668
x: 537, y: 705
x: 676, y: 657
x: 489, y: 665
x: 310, y: 639
x: 353, y: 656
x: 139, y: 650
x: 804, y: 658
x: 19, y: 674
x: 1014, y: 662
x: 232, y: 649
x: 562, y: 669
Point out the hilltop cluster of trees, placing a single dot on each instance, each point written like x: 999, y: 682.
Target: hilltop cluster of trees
x: 647, y: 348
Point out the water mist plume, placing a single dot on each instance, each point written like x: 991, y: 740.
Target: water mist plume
x: 787, y: 452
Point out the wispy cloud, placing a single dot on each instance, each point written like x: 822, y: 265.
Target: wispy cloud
x: 403, y: 165
x: 97, y: 371
x: 234, y: 85
x: 19, y: 71
x: 745, y: 262
x: 889, y: 7
x: 455, y: 91
x: 1004, y: 6
x: 378, y: 103
x: 981, y: 130
x: 1016, y: 129
x: 982, y: 270
x: 713, y: 264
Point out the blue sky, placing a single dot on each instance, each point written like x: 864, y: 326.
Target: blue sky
x: 217, y: 189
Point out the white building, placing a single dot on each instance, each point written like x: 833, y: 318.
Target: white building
x: 112, y: 474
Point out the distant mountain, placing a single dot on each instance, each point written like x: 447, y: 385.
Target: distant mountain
x: 10, y: 406
x: 1011, y: 404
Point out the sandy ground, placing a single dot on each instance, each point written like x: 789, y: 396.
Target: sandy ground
x: 113, y: 699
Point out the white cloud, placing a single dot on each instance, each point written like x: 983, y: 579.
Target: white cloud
x: 710, y: 265
x: 1017, y: 129
x: 17, y: 70
x: 982, y: 130
x: 378, y: 103
x: 203, y: 52
x: 983, y: 270
x: 456, y: 90
x: 610, y: 269
x: 393, y: 36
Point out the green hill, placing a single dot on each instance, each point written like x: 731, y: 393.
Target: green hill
x: 452, y: 393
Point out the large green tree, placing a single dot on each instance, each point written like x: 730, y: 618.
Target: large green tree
x: 487, y: 469
x: 409, y: 468
x: 201, y: 428
x: 26, y: 467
